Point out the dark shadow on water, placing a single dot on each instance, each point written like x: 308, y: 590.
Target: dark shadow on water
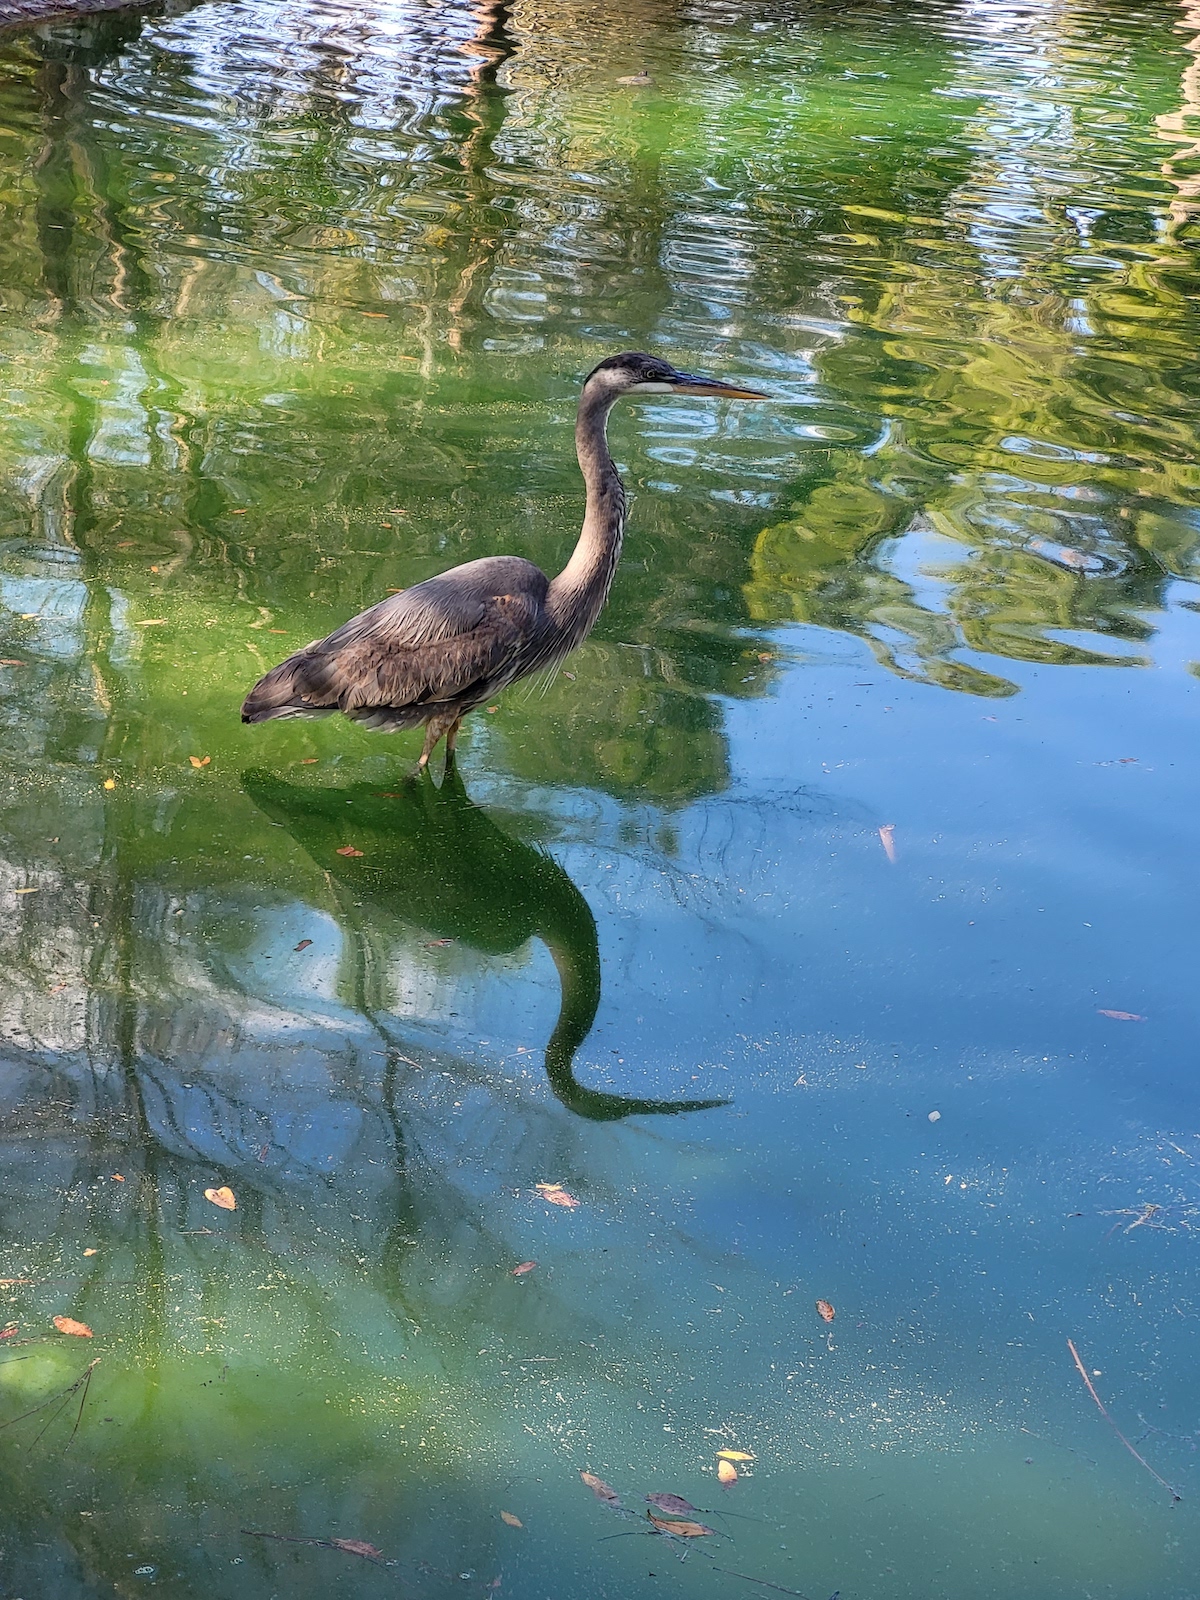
x: 433, y: 859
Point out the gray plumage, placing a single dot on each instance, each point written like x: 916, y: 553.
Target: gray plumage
x: 435, y: 652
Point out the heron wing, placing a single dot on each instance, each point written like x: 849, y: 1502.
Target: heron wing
x: 437, y: 642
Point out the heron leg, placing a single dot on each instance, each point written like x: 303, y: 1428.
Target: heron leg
x: 452, y: 738
x: 434, y: 729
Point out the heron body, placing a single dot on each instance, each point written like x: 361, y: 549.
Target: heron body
x: 433, y: 653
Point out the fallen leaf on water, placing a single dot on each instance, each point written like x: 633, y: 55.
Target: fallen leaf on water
x: 200, y: 761
x: 1121, y: 1016
x: 492, y: 710
x: 357, y: 1547
x: 557, y: 1195
x: 309, y: 761
x: 674, y: 1503
x: 681, y: 1530
x: 726, y: 1472
x: 69, y: 1325
x: 110, y: 783
x: 222, y: 1197
x: 303, y: 945
x: 152, y: 622
x: 349, y: 850
x: 9, y: 1330
x: 118, y: 1177
x: 438, y: 944
x: 887, y: 838
x: 9, y: 1283
x: 825, y: 1311
x: 7, y: 663
x: 90, y: 1251
x: 637, y: 80
x: 600, y: 1489
x: 734, y: 1455
x: 513, y: 1522
x: 526, y: 1266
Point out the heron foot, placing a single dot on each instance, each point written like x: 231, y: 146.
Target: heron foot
x: 435, y: 729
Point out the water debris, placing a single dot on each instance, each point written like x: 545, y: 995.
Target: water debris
x: 152, y: 622
x: 1066, y: 556
x: 10, y: 663
x: 1136, y: 1454
x: 680, y: 1529
x: 10, y: 1330
x: 526, y: 1266
x: 60, y: 1399
x: 118, y: 1177
x: 887, y: 838
x: 935, y: 1116
x: 90, y: 1251
x: 200, y: 761
x: 513, y: 1522
x: 727, y: 1473
x: 766, y: 1584
x: 352, y: 1547
x: 636, y: 80
x: 825, y: 1311
x: 674, y: 1504
x: 556, y: 1195
x: 223, y: 1197
x: 78, y: 1330
x: 734, y: 1455
x: 602, y: 1491
x: 303, y: 945
x: 1121, y: 1016
x: 349, y: 850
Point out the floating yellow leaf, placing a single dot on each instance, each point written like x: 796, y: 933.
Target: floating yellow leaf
x: 734, y: 1455
x: 90, y: 1251
x: 222, y: 1197
x: 199, y: 761
x: 513, y: 1522
x: 110, y: 783
x: 79, y: 1330
x: 726, y: 1472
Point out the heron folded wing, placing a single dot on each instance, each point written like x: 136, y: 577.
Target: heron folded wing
x: 375, y: 671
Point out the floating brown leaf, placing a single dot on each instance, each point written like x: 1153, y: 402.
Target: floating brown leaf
x: 222, y: 1197
x: 887, y: 838
x: 1121, y: 1016
x: 357, y: 1547
x: 9, y: 1330
x: 727, y: 1473
x: 118, y: 1177
x: 825, y: 1311
x: 200, y: 761
x: 79, y: 1330
x: 557, y: 1195
x: 303, y: 945
x: 349, y: 850
x: 673, y: 1503
x: 734, y: 1455
x: 513, y: 1522
x: 8, y: 663
x: 681, y: 1530
x: 600, y: 1489
x: 526, y: 1266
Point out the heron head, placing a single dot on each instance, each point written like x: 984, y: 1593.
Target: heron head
x: 634, y: 372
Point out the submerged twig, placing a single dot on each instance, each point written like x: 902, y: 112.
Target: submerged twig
x: 63, y: 1394
x: 1136, y: 1454
x: 763, y: 1581
x: 351, y: 1547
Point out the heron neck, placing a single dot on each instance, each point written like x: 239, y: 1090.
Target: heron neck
x: 577, y: 595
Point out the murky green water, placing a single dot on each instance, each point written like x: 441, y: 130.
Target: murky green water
x: 296, y: 300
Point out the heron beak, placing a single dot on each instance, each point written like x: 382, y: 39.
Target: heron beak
x: 691, y: 383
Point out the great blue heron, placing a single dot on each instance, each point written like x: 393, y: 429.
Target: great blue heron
x: 438, y: 650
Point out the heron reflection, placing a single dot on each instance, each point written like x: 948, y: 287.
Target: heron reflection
x: 430, y: 857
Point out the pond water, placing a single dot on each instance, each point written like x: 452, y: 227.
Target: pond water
x: 865, y: 820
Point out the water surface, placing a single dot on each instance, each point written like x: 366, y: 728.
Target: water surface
x: 865, y: 820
